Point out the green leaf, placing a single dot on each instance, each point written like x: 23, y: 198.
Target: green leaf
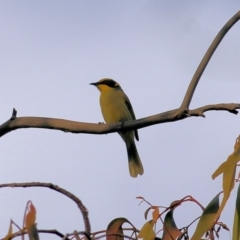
x: 207, y: 218
x: 115, y: 227
x: 236, y: 223
x: 228, y: 185
x: 147, y: 232
x: 228, y: 169
x: 33, y: 233
x: 170, y: 230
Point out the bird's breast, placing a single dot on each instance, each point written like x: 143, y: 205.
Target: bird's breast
x: 113, y: 106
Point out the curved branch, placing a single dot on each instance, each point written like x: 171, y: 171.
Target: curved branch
x: 80, y: 205
x: 92, y: 128
x: 197, y: 75
x: 170, y: 116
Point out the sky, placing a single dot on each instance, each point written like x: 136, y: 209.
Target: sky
x: 49, y: 53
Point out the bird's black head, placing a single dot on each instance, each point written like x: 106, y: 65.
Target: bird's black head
x: 108, y: 82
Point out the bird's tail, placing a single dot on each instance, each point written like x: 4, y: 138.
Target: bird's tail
x: 134, y: 161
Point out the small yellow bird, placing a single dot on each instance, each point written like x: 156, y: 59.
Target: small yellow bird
x: 116, y: 107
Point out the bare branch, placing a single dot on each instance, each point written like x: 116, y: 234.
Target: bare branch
x: 230, y: 107
x: 80, y: 205
x: 52, y: 231
x: 197, y: 75
x: 92, y: 128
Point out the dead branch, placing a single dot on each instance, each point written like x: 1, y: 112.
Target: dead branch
x: 170, y: 116
x: 93, y: 128
x: 197, y: 75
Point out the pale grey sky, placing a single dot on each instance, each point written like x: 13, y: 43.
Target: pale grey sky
x: 50, y: 52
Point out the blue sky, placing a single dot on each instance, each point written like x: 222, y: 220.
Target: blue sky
x: 50, y: 52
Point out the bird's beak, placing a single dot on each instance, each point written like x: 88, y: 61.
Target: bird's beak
x: 94, y: 83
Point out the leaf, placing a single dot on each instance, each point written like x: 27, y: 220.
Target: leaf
x: 147, y: 232
x: 170, y: 230
x: 228, y: 169
x: 207, y: 218
x: 228, y: 185
x: 33, y: 233
x: 115, y: 227
x: 231, y: 160
x: 30, y: 216
x: 236, y: 223
x: 30, y: 224
x: 9, y: 234
x: 146, y: 212
x: 175, y: 203
x: 155, y: 213
x: 237, y: 145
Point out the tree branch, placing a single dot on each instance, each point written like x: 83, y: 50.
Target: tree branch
x: 197, y: 75
x: 80, y: 205
x: 92, y: 128
x: 170, y: 116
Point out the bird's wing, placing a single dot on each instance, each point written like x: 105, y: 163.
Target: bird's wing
x: 129, y: 106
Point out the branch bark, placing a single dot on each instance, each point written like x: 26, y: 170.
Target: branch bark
x: 181, y: 113
x: 197, y: 75
x: 15, y: 123
x: 170, y: 116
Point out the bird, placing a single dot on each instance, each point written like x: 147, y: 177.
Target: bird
x: 116, y: 107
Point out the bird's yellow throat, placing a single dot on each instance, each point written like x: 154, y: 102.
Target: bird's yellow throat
x: 103, y: 87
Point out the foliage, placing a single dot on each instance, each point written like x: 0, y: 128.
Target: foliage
x: 208, y: 223
x: 29, y: 224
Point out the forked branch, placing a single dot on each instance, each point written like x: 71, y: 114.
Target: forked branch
x: 93, y: 128
x: 197, y: 75
x: 170, y: 116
